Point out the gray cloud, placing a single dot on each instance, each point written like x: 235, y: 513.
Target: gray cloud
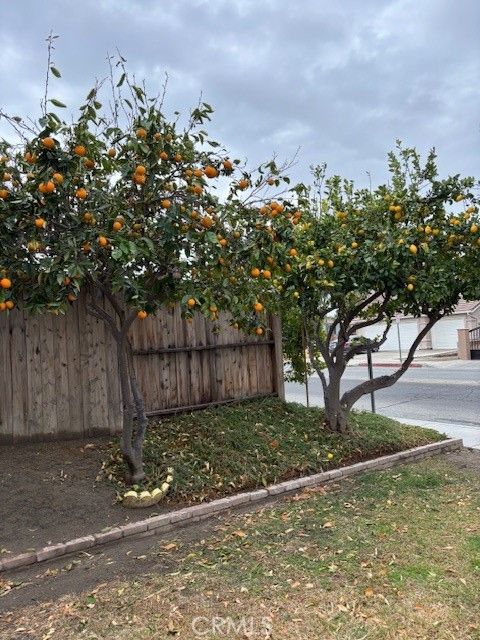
x: 339, y: 80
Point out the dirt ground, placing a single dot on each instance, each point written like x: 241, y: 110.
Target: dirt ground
x: 49, y: 494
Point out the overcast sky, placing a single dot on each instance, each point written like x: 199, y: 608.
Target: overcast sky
x: 341, y: 80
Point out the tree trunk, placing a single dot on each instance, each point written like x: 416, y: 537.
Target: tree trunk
x: 336, y: 414
x: 132, y: 446
x: 141, y: 417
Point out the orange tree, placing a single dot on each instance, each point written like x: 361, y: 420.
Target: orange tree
x: 122, y: 204
x: 343, y: 259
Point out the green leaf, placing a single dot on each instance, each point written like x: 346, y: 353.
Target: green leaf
x: 57, y: 103
x: 139, y: 93
x: 211, y: 237
x: 122, y: 80
x: 55, y: 72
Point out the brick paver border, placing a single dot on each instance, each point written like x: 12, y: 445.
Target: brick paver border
x: 187, y: 516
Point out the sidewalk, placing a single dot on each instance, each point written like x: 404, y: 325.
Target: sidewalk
x: 470, y: 434
x: 441, y: 359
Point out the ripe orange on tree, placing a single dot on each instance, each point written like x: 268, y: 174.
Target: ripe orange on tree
x: 141, y: 133
x: 79, y: 150
x: 5, y: 283
x: 40, y: 223
x: 81, y: 193
x: 211, y: 172
x: 46, y: 187
x: 57, y: 178
x: 142, y: 314
x: 4, y: 193
x: 206, y: 222
x: 191, y: 302
x: 139, y: 178
x: 9, y: 304
x: 102, y: 241
x: 48, y: 143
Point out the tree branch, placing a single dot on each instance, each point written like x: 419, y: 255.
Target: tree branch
x: 315, y: 363
x: 99, y: 313
x: 366, y: 323
x: 359, y: 307
x: 350, y: 397
x: 356, y: 349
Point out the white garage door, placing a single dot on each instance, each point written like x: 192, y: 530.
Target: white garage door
x: 444, y: 333
x: 408, y: 333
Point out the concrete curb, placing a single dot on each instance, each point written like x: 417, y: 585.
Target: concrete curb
x: 395, y: 365
x: 187, y: 516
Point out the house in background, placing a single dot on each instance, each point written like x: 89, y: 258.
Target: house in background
x: 442, y: 336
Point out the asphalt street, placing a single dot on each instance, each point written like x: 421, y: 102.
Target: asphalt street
x: 424, y: 395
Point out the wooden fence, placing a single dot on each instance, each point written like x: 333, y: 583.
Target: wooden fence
x: 58, y: 374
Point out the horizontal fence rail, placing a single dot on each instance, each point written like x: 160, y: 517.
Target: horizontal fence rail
x: 60, y: 380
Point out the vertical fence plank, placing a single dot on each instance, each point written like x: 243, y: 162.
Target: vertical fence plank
x: 181, y: 360
x: 47, y: 357
x: 78, y: 409
x: 34, y: 339
x: 61, y: 407
x: 194, y: 365
x: 6, y: 414
x: 17, y: 366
